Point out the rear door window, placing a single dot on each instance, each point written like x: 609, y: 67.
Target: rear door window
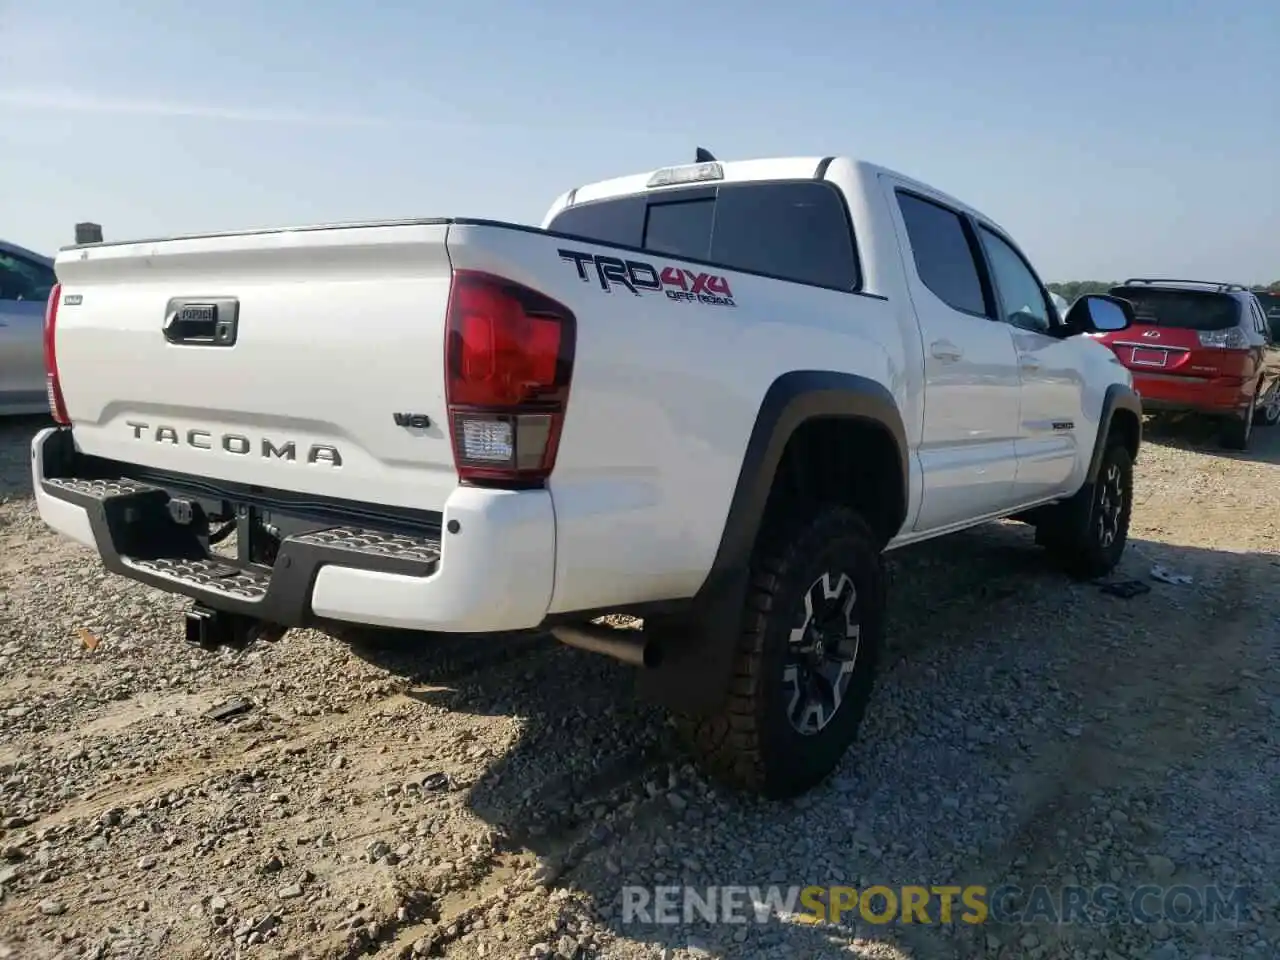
x: 1259, y: 321
x: 791, y: 230
x: 1181, y: 309
x: 943, y: 255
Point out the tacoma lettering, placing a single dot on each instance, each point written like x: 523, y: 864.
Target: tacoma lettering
x: 236, y: 443
x: 287, y: 452
x: 638, y: 277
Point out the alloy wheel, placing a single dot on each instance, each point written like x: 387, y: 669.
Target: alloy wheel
x: 1110, y: 505
x: 822, y: 653
x: 1271, y: 407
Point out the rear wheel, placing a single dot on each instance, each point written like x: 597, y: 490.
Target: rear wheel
x: 805, y: 660
x: 1087, y: 535
x: 1236, y: 430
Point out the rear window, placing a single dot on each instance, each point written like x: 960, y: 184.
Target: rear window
x: 1184, y: 309
x: 793, y: 230
x: 618, y: 221
x: 682, y: 229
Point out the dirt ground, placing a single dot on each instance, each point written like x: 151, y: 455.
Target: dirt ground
x: 466, y: 798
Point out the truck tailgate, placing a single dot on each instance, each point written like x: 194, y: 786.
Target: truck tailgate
x: 321, y: 386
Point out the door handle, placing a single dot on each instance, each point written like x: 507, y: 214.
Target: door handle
x: 1028, y: 362
x: 208, y: 323
x: 945, y: 350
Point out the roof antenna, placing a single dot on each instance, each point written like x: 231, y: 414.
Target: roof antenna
x: 703, y: 156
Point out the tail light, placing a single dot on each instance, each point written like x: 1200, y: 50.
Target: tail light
x: 508, y: 362
x: 53, y: 386
x: 1231, y: 339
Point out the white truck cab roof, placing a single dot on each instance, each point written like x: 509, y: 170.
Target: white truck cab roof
x: 738, y: 171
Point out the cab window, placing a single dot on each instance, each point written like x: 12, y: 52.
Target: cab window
x: 1021, y: 298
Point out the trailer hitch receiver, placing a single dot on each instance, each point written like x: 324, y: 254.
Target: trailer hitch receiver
x: 211, y: 629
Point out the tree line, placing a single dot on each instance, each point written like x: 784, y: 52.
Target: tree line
x: 1072, y: 289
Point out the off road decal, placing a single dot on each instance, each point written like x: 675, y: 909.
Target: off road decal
x: 639, y: 277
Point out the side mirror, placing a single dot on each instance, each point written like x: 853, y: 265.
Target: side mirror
x: 1097, y: 313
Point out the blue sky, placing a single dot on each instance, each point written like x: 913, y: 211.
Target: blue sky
x: 1112, y: 138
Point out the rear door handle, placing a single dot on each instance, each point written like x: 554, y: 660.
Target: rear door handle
x: 1029, y: 363
x: 945, y: 350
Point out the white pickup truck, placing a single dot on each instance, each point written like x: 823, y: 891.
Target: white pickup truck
x: 709, y: 397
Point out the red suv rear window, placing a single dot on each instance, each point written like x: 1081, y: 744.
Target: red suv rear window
x: 1184, y: 309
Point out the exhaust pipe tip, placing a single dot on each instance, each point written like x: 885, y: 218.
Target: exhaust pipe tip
x: 650, y: 655
x: 629, y: 646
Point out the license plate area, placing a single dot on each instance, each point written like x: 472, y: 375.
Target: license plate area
x: 1147, y: 357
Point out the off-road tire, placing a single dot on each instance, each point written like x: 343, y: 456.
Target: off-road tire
x: 1075, y: 533
x: 1235, y: 431
x: 751, y: 744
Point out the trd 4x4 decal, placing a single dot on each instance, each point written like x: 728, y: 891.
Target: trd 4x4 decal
x: 639, y: 277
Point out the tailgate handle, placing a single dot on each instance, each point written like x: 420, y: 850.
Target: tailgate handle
x: 202, y: 321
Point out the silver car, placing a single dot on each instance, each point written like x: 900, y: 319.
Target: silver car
x: 25, y: 281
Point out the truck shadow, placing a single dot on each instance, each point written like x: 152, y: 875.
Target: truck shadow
x: 15, y: 453
x: 1200, y: 435
x: 600, y: 791
x: 982, y: 738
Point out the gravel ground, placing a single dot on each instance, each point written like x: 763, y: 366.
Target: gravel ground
x: 466, y: 799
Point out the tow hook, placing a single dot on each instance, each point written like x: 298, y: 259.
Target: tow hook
x: 211, y: 629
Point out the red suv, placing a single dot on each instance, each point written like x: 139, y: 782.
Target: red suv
x: 1203, y: 348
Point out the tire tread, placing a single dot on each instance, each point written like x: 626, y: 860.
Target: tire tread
x: 1068, y: 536
x: 729, y: 743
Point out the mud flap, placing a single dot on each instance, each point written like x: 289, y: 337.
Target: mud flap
x: 698, y: 651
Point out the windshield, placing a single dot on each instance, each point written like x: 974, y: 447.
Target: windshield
x: 1184, y: 309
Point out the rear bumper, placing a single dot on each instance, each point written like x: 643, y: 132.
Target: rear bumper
x: 1223, y: 395
x: 488, y: 567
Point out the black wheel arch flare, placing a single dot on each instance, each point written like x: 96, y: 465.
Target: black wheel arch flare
x: 699, y: 644
x: 1123, y: 399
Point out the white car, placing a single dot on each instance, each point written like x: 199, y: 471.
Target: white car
x: 709, y: 396
x: 26, y: 278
